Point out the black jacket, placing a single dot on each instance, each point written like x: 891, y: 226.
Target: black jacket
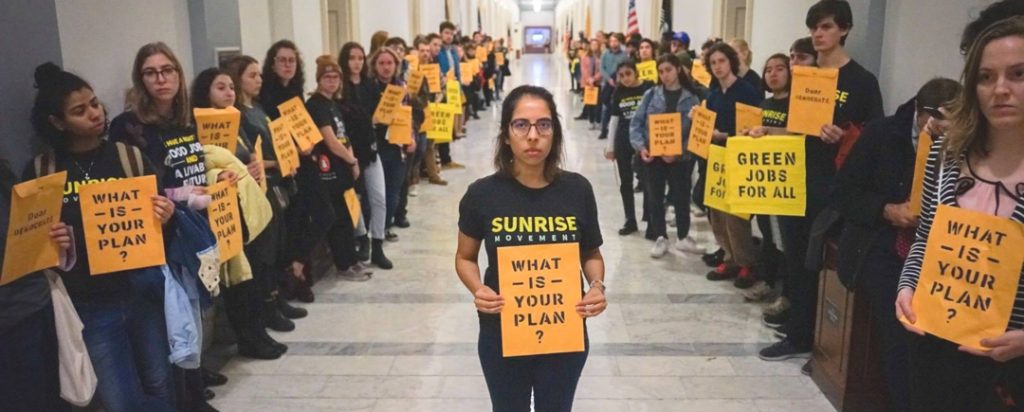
x: 879, y: 170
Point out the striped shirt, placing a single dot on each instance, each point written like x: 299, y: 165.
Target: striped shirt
x: 940, y: 181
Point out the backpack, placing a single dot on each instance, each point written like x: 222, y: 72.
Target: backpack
x: 130, y: 156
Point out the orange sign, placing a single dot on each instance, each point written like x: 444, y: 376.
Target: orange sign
x: 499, y: 58
x: 665, y: 134
x: 400, y: 130
x: 415, y: 82
x: 354, y: 208
x: 414, y: 61
x: 590, y: 96
x: 218, y: 127
x: 303, y: 129
x: 284, y: 148
x: 225, y: 219
x: 702, y: 126
x: 700, y: 73
x: 924, y: 144
x: 35, y: 206
x: 466, y: 70
x: 433, y: 74
x: 258, y: 155
x: 389, y: 102
x: 969, y: 276
x: 747, y: 117
x: 813, y: 99
x: 541, y: 285
x: 121, y: 231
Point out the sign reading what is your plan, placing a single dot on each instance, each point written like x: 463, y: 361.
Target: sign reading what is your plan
x: 969, y: 276
x: 767, y: 176
x: 541, y: 285
x: 121, y: 230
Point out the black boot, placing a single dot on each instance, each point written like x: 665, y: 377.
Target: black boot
x: 363, y: 252
x: 289, y: 311
x: 273, y: 318
x: 256, y: 306
x: 212, y: 378
x: 237, y: 300
x: 378, y: 257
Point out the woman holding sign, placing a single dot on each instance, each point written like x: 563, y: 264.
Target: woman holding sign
x: 975, y: 169
x: 531, y: 208
x: 358, y: 91
x: 391, y: 146
x: 591, y: 69
x: 676, y: 95
x: 284, y: 74
x: 125, y: 334
x: 629, y: 91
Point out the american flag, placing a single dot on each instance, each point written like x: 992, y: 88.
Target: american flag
x: 632, y: 23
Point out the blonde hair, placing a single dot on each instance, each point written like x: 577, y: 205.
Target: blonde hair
x: 376, y: 55
x: 968, y: 127
x: 377, y: 41
x: 743, y: 48
x: 138, y: 100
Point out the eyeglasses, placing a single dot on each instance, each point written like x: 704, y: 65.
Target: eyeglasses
x: 153, y: 74
x: 286, y: 60
x: 521, y: 127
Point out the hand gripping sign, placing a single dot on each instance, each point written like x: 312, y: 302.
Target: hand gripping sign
x: 813, y: 99
x: 121, y: 230
x: 35, y: 206
x: 218, y: 127
x: 767, y: 176
x: 541, y: 285
x: 969, y: 276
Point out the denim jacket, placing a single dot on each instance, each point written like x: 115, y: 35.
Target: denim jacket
x: 448, y: 58
x: 654, y: 103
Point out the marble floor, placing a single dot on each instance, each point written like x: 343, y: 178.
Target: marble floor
x: 406, y: 340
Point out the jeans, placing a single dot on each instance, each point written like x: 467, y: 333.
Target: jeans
x: 29, y: 379
x: 605, y: 98
x: 127, y: 342
x: 551, y: 379
x: 658, y: 174
x: 394, y: 179
x: 373, y: 199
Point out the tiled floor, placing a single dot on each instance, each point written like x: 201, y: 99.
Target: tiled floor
x: 406, y: 340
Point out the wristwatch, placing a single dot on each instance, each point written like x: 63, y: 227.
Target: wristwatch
x: 598, y: 282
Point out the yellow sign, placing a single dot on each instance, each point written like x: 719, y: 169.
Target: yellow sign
x: 648, y: 70
x: 218, y: 127
x: 969, y: 276
x: 453, y: 91
x: 389, y: 102
x: 499, y: 58
x: 481, y: 52
x: 225, y: 219
x: 121, y: 231
x: 414, y: 61
x: 541, y: 286
x: 442, y: 122
x: 303, y: 129
x: 747, y: 117
x: 702, y: 126
x: 433, y: 74
x: 590, y: 96
x: 767, y: 176
x: 468, y: 70
x: 258, y: 155
x: 717, y: 183
x: 354, y: 208
x: 924, y: 144
x: 284, y: 148
x: 665, y: 134
x: 490, y: 83
x: 415, y: 82
x: 700, y: 73
x: 813, y: 99
x: 400, y: 130
x: 35, y: 206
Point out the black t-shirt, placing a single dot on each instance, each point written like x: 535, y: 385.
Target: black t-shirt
x: 357, y: 108
x: 672, y: 97
x: 330, y: 169
x: 754, y: 80
x: 625, y: 102
x: 174, y: 151
x: 858, y: 97
x: 724, y: 103
x: 100, y: 165
x: 493, y: 208
x: 775, y: 112
x: 255, y: 122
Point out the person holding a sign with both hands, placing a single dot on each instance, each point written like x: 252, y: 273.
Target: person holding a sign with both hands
x: 625, y: 101
x: 531, y: 207
x: 125, y: 337
x: 975, y: 169
x: 676, y: 95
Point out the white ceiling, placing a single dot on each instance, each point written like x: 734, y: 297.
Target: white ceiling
x: 546, y: 5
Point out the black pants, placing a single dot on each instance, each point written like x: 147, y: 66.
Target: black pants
x: 698, y: 186
x: 801, y: 284
x: 624, y: 161
x: 551, y: 379
x: 658, y: 174
x: 944, y: 379
x: 444, y: 150
x: 29, y: 378
x: 877, y: 281
x: 605, y: 109
x: 327, y: 219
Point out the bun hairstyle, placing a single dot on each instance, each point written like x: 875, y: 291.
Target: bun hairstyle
x: 53, y: 86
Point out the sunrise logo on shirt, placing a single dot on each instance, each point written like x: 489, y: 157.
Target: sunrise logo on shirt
x: 534, y: 229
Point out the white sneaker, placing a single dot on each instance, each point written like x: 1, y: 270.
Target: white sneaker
x: 688, y: 245
x: 697, y: 212
x: 362, y: 268
x: 413, y: 191
x: 760, y: 292
x: 660, y: 247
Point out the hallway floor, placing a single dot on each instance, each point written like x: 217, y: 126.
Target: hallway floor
x: 406, y: 340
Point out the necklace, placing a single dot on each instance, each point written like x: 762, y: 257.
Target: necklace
x: 85, y: 171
